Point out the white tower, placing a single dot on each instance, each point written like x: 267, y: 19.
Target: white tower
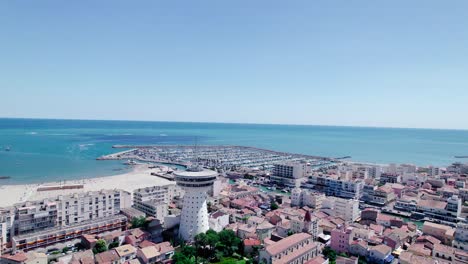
x: 196, y: 182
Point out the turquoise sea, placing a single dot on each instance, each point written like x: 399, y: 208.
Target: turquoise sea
x: 46, y: 150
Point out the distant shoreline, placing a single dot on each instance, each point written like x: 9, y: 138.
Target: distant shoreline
x: 235, y: 123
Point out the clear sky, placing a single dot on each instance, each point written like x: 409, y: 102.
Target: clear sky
x: 359, y: 63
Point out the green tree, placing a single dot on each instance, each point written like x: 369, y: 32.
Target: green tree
x: 330, y: 254
x: 179, y: 257
x: 362, y: 260
x: 212, y: 238
x: 201, y: 243
x: 114, y: 244
x: 100, y: 246
x: 274, y: 206
x: 139, y: 222
x: 228, y: 242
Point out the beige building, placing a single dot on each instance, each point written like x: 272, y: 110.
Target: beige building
x: 294, y: 249
x: 444, y: 233
x: 126, y: 252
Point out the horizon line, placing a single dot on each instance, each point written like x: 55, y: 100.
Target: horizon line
x: 234, y: 123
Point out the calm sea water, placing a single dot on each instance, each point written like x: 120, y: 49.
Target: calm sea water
x: 45, y: 150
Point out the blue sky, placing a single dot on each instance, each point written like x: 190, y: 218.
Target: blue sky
x: 358, y: 63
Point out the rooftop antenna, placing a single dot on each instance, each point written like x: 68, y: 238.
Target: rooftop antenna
x: 196, y: 166
x: 196, y: 148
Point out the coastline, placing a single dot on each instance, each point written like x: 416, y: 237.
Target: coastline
x: 139, y: 177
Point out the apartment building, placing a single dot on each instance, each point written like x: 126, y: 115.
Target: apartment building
x: 374, y: 172
x: 153, y: 201
x: 390, y: 178
x: 347, y: 210
x: 76, y: 208
x: 332, y: 185
x: 302, y: 197
x: 289, y: 174
x: 406, y: 203
x: 7, y: 217
x: 448, y: 210
x: 341, y: 238
x: 64, y: 211
x: 62, y: 234
x: 461, y: 237
x: 378, y: 195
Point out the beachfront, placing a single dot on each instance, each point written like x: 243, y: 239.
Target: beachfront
x: 139, y: 177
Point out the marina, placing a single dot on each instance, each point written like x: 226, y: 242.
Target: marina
x: 221, y: 157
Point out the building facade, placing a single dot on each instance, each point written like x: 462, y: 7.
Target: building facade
x: 338, y: 187
x: 24, y: 222
x: 154, y: 201
x: 294, y: 249
x: 289, y: 174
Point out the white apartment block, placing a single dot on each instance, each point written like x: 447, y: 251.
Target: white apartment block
x: 400, y: 169
x: 289, y: 174
x: 7, y: 217
x: 374, y: 171
x: 153, y: 201
x: 302, y: 197
x: 332, y: 185
x: 346, y: 209
x: 433, y: 171
x: 29, y: 218
x: 79, y: 207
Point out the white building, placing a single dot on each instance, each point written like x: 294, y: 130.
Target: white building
x: 7, y: 217
x: 461, y: 237
x: 333, y: 185
x: 220, y: 184
x: 27, y: 224
x: 153, y: 201
x: 413, y: 179
x: 302, y: 197
x: 289, y: 174
x: 433, y: 171
x: 374, y: 171
x: 218, y: 221
x: 348, y: 210
x: 196, y: 182
x: 400, y: 169
x: 79, y: 207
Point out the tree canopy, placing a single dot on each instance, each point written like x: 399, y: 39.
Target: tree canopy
x: 100, y: 246
x: 210, y: 247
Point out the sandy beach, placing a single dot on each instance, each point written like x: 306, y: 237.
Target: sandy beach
x: 139, y: 177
